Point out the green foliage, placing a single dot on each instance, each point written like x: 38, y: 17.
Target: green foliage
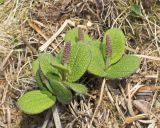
x: 136, y: 10
x: 46, y: 67
x: 78, y: 62
x: 55, y: 75
x: 1, y: 1
x: 39, y: 80
x: 80, y: 88
x: 126, y: 66
x: 45, y: 81
x: 35, y: 67
x: 72, y: 36
x: 60, y: 67
x: 33, y: 102
x: 42, y: 66
x: 63, y: 94
x: 97, y: 64
x: 118, y: 40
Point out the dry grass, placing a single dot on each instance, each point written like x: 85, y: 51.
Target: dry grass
x: 131, y: 103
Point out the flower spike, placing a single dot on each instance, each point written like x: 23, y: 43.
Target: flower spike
x: 66, y: 53
x: 108, y: 46
x: 108, y: 50
x: 80, y: 34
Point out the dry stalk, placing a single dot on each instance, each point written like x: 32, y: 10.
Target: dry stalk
x: 4, y: 95
x: 8, y: 117
x: 99, y: 101
x: 109, y: 96
x: 52, y: 38
x: 131, y: 119
x: 37, y: 29
x: 149, y: 88
x: 56, y: 117
x: 129, y: 101
x: 46, y: 119
x: 5, y: 60
x: 148, y: 57
x: 119, y: 109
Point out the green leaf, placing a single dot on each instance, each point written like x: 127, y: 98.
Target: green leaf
x: 35, y: 67
x: 72, y: 36
x: 39, y: 80
x: 124, y: 67
x: 80, y: 57
x: 45, y: 61
x: 118, y: 40
x: 42, y: 81
x: 136, y: 10
x: 36, y: 74
x: 63, y: 94
x: 1, y: 1
x: 35, y: 102
x: 79, y: 88
x: 45, y: 81
x: 59, y: 56
x: 97, y: 64
x: 60, y: 67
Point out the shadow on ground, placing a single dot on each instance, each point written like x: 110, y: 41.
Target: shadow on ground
x: 35, y: 121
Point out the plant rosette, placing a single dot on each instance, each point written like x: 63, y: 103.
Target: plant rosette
x: 56, y: 77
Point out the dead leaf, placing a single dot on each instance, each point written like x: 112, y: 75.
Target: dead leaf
x: 149, y: 88
x: 130, y: 120
x: 142, y: 106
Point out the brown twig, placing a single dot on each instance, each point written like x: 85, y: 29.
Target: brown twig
x: 53, y: 37
x: 99, y: 101
x: 37, y: 29
x: 131, y: 119
x: 5, y: 60
x: 149, y: 88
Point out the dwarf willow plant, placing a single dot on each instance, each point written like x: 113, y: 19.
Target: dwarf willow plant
x: 56, y: 76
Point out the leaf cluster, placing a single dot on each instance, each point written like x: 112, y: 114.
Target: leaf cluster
x: 57, y: 76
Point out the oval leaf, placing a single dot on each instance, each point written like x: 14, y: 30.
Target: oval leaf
x: 36, y: 74
x: 97, y: 64
x: 35, y: 67
x: 117, y: 40
x: 35, y: 102
x: 45, y: 61
x: 72, y: 36
x: 45, y: 81
x: 63, y: 94
x: 78, y: 62
x: 79, y: 88
x: 39, y: 81
x: 123, y: 68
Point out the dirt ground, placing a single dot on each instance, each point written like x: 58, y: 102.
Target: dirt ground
x: 26, y: 26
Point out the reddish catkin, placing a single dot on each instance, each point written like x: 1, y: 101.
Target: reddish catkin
x: 108, y: 46
x: 66, y: 53
x: 80, y: 34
